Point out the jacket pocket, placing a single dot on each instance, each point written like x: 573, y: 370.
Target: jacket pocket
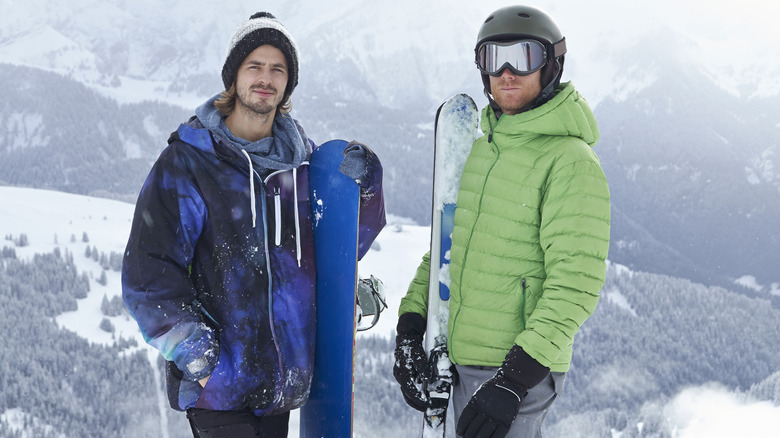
x: 173, y: 378
x: 182, y: 393
x: 532, y: 291
x: 222, y: 393
x: 523, y: 300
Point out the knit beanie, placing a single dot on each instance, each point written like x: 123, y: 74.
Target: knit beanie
x: 261, y: 28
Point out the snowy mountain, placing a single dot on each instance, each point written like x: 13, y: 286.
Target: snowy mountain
x: 695, y: 180
x: 387, y: 53
x: 662, y: 355
x: 688, y: 113
x: 689, y: 109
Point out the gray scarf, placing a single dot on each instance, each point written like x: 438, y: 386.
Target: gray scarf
x: 285, y: 150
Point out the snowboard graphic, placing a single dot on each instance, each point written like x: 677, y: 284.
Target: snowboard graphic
x: 457, y: 121
x: 335, y: 202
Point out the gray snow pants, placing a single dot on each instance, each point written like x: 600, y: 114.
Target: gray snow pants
x: 533, y: 410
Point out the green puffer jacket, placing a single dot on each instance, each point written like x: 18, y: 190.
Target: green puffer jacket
x: 531, y: 236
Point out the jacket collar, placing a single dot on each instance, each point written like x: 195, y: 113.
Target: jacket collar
x: 566, y: 114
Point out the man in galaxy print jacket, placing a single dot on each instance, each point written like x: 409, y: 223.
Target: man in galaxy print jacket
x: 219, y: 270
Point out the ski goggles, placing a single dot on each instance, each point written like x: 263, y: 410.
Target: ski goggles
x: 520, y: 57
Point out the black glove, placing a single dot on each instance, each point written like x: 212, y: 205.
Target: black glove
x: 411, y: 364
x: 361, y: 164
x: 494, y: 406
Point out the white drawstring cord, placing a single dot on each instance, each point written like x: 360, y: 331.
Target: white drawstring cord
x: 297, y: 220
x: 254, y: 208
x: 251, y: 187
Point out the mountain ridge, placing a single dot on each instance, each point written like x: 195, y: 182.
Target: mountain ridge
x: 376, y: 75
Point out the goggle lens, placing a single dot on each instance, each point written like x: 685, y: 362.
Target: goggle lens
x: 521, y: 57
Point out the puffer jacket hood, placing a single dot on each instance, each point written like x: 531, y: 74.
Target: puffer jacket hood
x: 566, y: 114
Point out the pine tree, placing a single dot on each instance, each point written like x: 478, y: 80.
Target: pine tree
x: 9, y: 252
x: 115, y: 261
x: 103, y: 280
x: 105, y: 306
x: 85, y: 282
x: 106, y: 326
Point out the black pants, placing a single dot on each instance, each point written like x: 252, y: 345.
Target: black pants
x: 236, y: 424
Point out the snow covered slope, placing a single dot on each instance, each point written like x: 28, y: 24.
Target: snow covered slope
x: 60, y: 220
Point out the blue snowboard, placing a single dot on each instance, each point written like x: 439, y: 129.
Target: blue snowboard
x: 335, y: 202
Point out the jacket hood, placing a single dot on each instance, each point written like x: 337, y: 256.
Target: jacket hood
x: 286, y: 149
x: 566, y: 114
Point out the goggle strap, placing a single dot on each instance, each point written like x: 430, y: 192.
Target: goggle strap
x: 559, y: 48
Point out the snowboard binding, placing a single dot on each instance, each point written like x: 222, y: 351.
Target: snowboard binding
x: 370, y: 301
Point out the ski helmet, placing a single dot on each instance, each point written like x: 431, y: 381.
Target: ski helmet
x: 513, y: 23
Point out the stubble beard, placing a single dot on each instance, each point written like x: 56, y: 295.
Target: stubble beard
x: 261, y: 108
x: 515, y: 104
x: 518, y: 101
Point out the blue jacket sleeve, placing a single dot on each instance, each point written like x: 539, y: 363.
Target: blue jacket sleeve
x: 372, y: 206
x: 156, y: 286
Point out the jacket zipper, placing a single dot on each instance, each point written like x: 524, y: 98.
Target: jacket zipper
x: 278, y: 240
x: 466, y: 250
x: 279, y: 384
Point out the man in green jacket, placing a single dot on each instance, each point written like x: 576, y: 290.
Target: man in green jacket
x: 530, y: 242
